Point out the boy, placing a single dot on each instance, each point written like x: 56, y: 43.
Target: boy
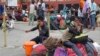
x: 25, y: 18
x: 10, y: 22
x: 43, y: 30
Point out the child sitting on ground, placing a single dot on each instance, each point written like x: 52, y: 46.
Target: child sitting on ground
x: 10, y: 22
x: 25, y: 18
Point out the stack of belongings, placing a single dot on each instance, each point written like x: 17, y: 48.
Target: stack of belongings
x: 79, y: 45
x: 72, y: 43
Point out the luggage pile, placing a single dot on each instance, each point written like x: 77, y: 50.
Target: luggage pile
x: 54, y: 47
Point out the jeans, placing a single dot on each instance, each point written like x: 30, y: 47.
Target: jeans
x: 31, y: 18
x: 84, y: 21
x: 93, y: 21
x: 73, y: 46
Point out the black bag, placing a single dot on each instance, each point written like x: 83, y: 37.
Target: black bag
x: 81, y: 38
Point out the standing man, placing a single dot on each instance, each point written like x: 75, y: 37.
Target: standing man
x: 93, y: 10
x: 32, y: 13
x: 84, y: 11
x: 40, y: 11
x: 43, y: 30
x: 42, y: 8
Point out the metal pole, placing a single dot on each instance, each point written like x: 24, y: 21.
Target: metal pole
x: 4, y: 27
x: 48, y: 20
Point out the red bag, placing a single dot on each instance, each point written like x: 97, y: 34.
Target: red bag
x: 70, y: 52
x: 39, y: 49
x: 82, y: 49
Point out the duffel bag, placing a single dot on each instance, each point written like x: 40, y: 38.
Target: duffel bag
x: 70, y: 52
x: 81, y: 38
x: 39, y: 50
x: 82, y: 49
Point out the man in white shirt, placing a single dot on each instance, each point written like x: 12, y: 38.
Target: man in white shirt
x: 93, y: 10
x: 32, y: 13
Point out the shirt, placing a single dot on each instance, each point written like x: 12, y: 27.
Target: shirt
x: 86, y: 6
x: 32, y: 8
x: 43, y: 6
x: 43, y: 30
x: 93, y: 8
x: 80, y: 14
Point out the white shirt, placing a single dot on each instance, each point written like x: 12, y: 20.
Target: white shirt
x: 93, y: 8
x: 43, y: 6
x: 80, y: 14
x: 23, y: 11
x: 11, y: 23
x: 32, y: 8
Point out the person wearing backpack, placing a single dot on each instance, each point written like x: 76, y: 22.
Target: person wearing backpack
x: 43, y: 30
x: 73, y: 30
x: 68, y: 43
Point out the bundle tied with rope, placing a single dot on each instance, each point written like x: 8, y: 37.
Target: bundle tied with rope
x: 51, y: 44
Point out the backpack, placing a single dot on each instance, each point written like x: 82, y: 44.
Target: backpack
x: 95, y: 53
x: 60, y: 52
x: 51, y: 43
x: 39, y: 50
x: 70, y: 52
x: 82, y: 49
x: 81, y: 38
